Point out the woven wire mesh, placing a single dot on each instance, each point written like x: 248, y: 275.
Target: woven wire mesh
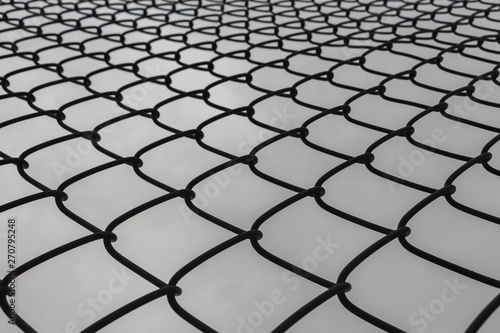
x: 101, y: 76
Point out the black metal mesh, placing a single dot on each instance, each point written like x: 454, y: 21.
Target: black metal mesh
x: 177, y: 69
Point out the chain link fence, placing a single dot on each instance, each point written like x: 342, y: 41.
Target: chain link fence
x: 236, y: 134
